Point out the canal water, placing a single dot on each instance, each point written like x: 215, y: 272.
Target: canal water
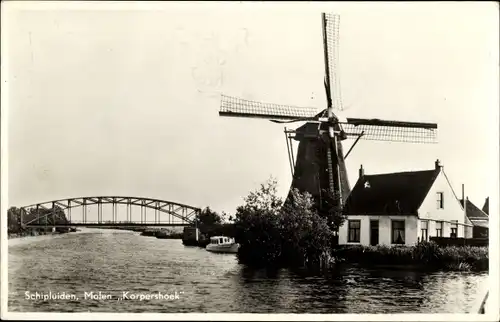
x: 163, y: 276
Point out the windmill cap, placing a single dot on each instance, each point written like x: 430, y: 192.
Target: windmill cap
x: 340, y: 116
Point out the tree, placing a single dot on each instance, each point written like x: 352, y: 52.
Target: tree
x: 208, y: 217
x: 265, y: 198
x: 306, y: 235
x: 225, y: 217
x: 14, y: 220
x: 274, y: 235
x: 331, y: 210
x: 257, y: 226
x: 46, y: 217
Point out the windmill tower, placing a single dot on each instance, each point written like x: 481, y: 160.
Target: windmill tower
x: 320, y: 166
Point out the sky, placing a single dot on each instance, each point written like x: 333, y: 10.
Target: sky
x: 123, y: 98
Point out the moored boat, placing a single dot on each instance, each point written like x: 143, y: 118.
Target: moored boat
x: 222, y: 244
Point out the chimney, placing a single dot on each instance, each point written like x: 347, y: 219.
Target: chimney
x: 361, y: 171
x: 463, y: 193
x: 437, y: 164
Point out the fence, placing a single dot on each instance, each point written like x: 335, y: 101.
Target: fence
x: 450, y: 241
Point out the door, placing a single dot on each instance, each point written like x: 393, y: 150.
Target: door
x: 373, y: 232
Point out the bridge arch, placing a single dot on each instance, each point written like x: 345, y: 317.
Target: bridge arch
x: 180, y: 211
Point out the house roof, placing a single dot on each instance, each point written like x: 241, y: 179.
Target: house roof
x: 486, y: 207
x: 480, y: 223
x: 391, y: 193
x: 472, y: 211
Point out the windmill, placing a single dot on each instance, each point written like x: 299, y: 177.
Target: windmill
x: 320, y: 165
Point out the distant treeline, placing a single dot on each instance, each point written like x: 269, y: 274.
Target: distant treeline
x: 211, y: 223
x: 49, y: 217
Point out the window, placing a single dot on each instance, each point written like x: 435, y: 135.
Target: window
x: 423, y: 230
x: 354, y: 231
x: 398, y: 231
x: 440, y: 200
x: 439, y: 229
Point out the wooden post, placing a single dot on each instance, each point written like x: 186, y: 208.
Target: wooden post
x: 288, y: 150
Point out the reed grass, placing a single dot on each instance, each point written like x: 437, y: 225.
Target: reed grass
x: 426, y: 254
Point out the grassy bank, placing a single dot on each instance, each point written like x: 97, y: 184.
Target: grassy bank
x: 426, y: 255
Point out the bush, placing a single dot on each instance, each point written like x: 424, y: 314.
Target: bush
x: 306, y: 236
x: 427, y: 254
x: 272, y: 235
x: 257, y: 233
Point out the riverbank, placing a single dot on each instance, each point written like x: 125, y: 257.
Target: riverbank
x: 145, y: 231
x: 35, y: 233
x: 161, y: 233
x: 424, y: 255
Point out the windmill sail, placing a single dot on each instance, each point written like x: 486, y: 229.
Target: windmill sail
x: 395, y: 131
x: 330, y: 27
x: 331, y: 38
x: 239, y: 107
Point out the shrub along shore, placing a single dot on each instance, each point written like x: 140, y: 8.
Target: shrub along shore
x: 427, y: 255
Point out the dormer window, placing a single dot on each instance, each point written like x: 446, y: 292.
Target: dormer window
x: 440, y: 200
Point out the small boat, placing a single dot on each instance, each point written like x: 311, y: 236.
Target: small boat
x: 222, y: 244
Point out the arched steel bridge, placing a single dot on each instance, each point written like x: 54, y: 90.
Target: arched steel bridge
x: 166, y: 213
